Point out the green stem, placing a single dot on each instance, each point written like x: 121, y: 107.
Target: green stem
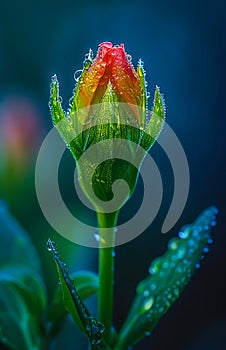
x: 106, y: 271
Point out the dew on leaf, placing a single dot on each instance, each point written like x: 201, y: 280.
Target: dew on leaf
x: 205, y: 250
x: 181, y: 252
x: 147, y: 334
x: 173, y: 244
x: 184, y: 234
x: 146, y: 293
x: 77, y: 74
x: 147, y: 304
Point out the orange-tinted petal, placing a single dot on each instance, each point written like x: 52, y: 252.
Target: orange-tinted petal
x: 123, y: 77
x: 94, y: 82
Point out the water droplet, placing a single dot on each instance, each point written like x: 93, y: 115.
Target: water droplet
x: 173, y: 244
x: 147, y: 334
x: 153, y: 286
x: 146, y: 293
x: 195, y: 233
x: 129, y: 58
x: 197, y: 266
x: 184, y: 234
x: 181, y: 252
x: 155, y: 266
x: 92, y: 88
x: 50, y: 245
x: 210, y: 241
x: 215, y: 210
x: 169, y: 295
x: 191, y: 242
x: 176, y: 292
x: 113, y: 253
x: 89, y: 55
x: 165, y: 265
x: 147, y: 304
x: 213, y: 223
x: 97, y: 236
x: 161, y: 309
x: 205, y: 250
x: 77, y: 75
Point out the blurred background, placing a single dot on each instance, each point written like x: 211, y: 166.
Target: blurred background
x: 183, y: 47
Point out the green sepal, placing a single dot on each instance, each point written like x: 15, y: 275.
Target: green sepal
x: 56, y: 109
x: 105, y: 174
x: 74, y: 304
x: 86, y: 283
x: 156, y: 121
x: 59, y: 119
x: 170, y: 274
x: 143, y: 102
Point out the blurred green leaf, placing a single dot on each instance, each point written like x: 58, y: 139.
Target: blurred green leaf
x: 16, y: 247
x: 22, y: 304
x: 86, y: 284
x: 169, y: 275
x: 22, y: 292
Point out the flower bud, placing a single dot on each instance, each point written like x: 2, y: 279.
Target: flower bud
x: 109, y: 109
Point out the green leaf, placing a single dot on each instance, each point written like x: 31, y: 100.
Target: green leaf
x: 86, y: 284
x: 22, y: 292
x: 73, y: 303
x: 169, y: 275
x: 22, y: 304
x: 16, y: 247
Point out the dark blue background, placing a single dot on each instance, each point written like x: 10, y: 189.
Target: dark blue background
x: 183, y: 47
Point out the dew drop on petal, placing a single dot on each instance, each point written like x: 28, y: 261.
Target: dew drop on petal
x: 129, y: 58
